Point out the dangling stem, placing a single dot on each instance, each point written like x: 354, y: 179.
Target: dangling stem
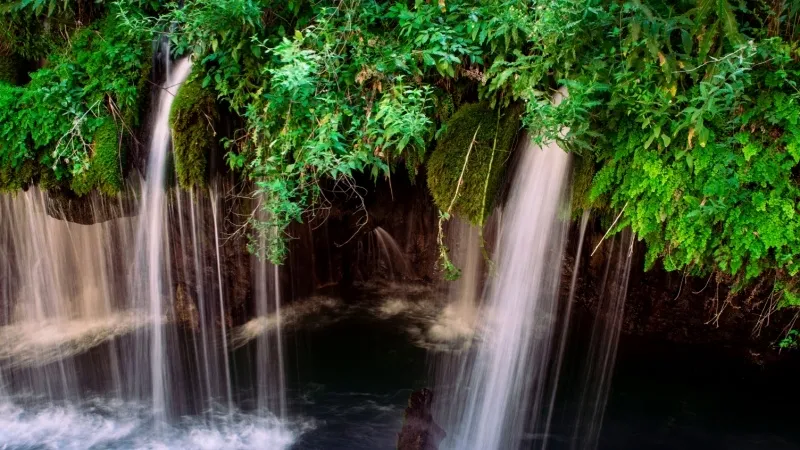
x: 451, y: 271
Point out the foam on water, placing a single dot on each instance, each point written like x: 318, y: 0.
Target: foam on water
x: 327, y: 308
x: 114, y: 424
x: 452, y: 324
x: 38, y: 343
x: 429, y: 323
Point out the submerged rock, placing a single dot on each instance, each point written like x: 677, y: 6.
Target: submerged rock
x: 419, y: 431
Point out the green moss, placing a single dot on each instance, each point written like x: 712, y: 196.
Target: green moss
x: 13, y: 179
x: 447, y: 160
x: 104, y: 171
x: 583, y: 171
x: 192, y: 119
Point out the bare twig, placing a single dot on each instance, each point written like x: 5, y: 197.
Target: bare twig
x: 609, y: 229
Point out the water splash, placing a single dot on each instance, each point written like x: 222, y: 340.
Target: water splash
x: 98, y: 423
x: 30, y: 344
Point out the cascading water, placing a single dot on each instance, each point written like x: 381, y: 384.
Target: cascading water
x: 151, y: 241
x: 270, y: 379
x: 457, y: 320
x: 502, y: 386
x: 58, y: 295
x: 603, y: 345
x: 390, y: 254
x: 214, y: 197
x: 199, y: 297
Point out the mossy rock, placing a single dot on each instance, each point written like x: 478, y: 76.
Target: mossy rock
x: 447, y: 160
x: 192, y: 119
x: 104, y: 172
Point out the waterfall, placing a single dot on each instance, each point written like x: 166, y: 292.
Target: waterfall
x: 150, y: 270
x: 58, y: 296
x: 603, y: 345
x: 125, y: 324
x: 220, y: 289
x: 270, y: 379
x: 456, y: 322
x: 565, y: 328
x: 503, y: 383
x: 390, y: 254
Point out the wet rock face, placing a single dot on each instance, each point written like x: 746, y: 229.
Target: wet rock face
x: 346, y: 241
x: 672, y: 307
x: 89, y: 209
x: 419, y: 431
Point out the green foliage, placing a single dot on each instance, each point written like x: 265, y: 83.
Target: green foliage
x: 192, y: 119
x: 583, y: 170
x: 496, y: 132
x: 105, y: 164
x: 790, y: 340
x: 15, y: 178
x: 33, y: 29
x: 686, y: 111
x: 51, y: 122
x: 690, y: 112
x: 330, y: 91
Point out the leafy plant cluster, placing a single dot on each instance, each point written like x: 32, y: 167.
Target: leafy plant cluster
x: 62, y: 128
x: 327, y: 91
x: 690, y: 111
x: 684, y: 114
x: 33, y: 29
x: 790, y: 340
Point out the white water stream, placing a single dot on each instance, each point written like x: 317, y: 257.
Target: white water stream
x: 502, y: 388
x: 150, y: 270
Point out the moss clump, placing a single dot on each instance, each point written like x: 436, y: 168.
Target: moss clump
x: 104, y: 171
x: 192, y: 119
x: 583, y: 171
x: 447, y: 160
x: 13, y: 179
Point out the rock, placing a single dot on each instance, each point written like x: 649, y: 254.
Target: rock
x: 419, y: 431
x: 89, y: 209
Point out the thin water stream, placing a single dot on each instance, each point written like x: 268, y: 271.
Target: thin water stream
x: 503, y: 384
x: 149, y: 273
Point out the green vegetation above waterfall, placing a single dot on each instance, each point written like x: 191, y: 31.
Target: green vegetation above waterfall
x: 105, y: 164
x: 327, y: 92
x: 691, y: 114
x: 91, y: 77
x: 685, y: 114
